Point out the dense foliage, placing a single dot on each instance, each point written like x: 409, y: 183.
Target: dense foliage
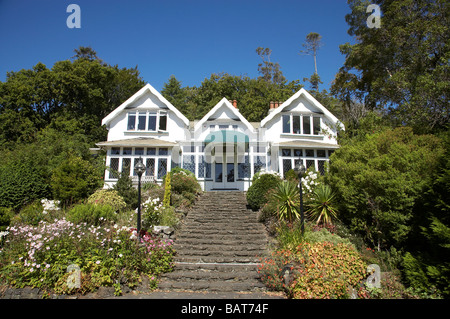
x: 261, y: 184
x: 379, y: 180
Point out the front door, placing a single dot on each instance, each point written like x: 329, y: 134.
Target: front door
x: 225, y: 166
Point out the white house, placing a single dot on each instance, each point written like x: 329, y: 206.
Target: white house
x: 222, y: 149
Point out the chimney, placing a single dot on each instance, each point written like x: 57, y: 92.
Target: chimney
x: 272, y: 105
x: 235, y: 103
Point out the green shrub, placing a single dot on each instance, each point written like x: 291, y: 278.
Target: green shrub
x: 261, y: 184
x: 378, y: 181
x: 74, y: 179
x: 323, y: 235
x: 124, y: 187
x: 31, y: 214
x: 185, y: 185
x: 152, y: 210
x: 291, y: 175
x: 92, y: 214
x: 108, y: 197
x: 21, y: 183
x: 5, y: 217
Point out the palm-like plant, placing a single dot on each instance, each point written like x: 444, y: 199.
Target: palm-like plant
x: 321, y: 208
x: 287, y: 201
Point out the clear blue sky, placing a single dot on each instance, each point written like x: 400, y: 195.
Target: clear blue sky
x: 190, y: 39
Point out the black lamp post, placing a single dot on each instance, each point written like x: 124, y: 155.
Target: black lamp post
x: 139, y: 169
x: 300, y: 171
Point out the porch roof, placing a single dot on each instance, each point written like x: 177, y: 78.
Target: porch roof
x: 139, y: 141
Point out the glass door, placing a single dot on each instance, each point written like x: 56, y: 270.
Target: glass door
x: 225, y: 166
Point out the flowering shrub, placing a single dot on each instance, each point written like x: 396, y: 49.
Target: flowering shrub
x: 109, y: 197
x: 184, y: 188
x: 50, y: 205
x: 39, y: 256
x: 310, y: 182
x: 152, y: 210
x: 320, y: 270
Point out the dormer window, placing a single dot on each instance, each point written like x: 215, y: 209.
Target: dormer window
x: 150, y: 121
x: 304, y: 124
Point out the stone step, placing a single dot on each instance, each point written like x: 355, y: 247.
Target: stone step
x: 220, y: 253
x: 218, y: 247
x: 218, y: 259
x: 209, y: 241
x: 217, y: 267
x: 214, y: 236
x: 190, y: 275
x: 212, y: 286
x: 183, y: 246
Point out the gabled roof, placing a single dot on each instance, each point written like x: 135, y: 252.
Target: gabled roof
x: 227, y: 104
x: 142, y: 92
x: 310, y: 98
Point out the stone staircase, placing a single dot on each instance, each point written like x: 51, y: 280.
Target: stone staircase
x: 218, y: 247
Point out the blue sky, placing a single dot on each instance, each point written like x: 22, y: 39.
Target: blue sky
x: 190, y: 39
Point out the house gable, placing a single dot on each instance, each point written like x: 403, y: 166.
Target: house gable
x: 146, y: 98
x: 302, y: 102
x: 224, y: 111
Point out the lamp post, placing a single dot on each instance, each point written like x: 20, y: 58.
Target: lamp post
x: 139, y: 169
x: 300, y: 170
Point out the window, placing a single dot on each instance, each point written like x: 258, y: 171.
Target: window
x: 126, y: 166
x: 163, y: 121
x: 316, y: 125
x: 204, y: 168
x: 259, y: 163
x: 287, y: 165
x: 286, y: 124
x: 189, y: 163
x: 150, y: 167
x: 141, y: 121
x: 163, y: 151
x: 151, y: 151
x: 223, y: 127
x: 320, y: 153
x: 131, y: 121
x: 114, y: 168
x: 126, y: 151
x: 286, y: 152
x: 147, y: 121
x: 244, y: 169
x: 152, y: 116
x: 296, y: 124
x: 139, y: 151
x: 301, y: 124
x: 115, y: 151
x: 298, y: 152
x: 309, y: 153
x: 306, y: 125
x: 162, y: 167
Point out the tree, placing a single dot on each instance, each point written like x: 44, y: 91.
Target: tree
x: 270, y: 71
x: 401, y: 66
x: 176, y: 95
x: 84, y: 89
x: 312, y: 45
